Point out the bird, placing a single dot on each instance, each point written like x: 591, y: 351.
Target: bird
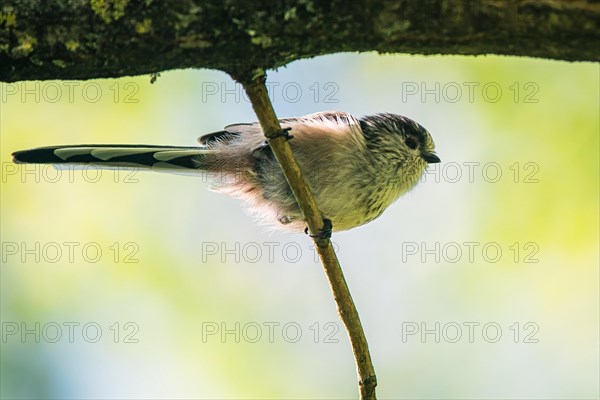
x: 355, y: 167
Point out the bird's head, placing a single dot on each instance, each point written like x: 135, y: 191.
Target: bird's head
x: 398, y: 138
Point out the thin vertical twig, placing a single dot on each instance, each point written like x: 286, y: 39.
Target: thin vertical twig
x: 256, y: 89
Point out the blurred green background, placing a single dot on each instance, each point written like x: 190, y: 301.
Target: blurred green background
x: 483, y: 282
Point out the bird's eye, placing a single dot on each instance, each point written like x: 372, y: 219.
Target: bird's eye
x: 411, y: 142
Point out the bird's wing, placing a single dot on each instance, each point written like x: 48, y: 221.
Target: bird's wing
x: 220, y: 136
x: 233, y: 131
x: 229, y: 133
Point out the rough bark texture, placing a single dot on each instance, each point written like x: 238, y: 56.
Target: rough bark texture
x: 82, y: 39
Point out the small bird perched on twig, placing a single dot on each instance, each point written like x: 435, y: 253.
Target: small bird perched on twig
x: 355, y: 167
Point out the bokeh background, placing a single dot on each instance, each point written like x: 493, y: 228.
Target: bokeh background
x: 482, y: 282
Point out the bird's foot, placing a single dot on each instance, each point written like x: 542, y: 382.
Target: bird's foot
x: 284, y: 133
x: 324, y: 232
x: 284, y: 219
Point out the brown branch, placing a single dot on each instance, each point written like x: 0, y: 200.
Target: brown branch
x: 257, y: 92
x: 95, y: 39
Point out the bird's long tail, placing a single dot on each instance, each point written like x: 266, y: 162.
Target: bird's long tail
x: 162, y: 158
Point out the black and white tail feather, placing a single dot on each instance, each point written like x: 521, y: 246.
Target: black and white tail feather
x: 160, y: 158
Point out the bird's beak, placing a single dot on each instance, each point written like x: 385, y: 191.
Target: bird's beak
x: 430, y: 157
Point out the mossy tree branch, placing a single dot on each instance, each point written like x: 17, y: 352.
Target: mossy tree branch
x: 80, y: 39
x: 255, y: 87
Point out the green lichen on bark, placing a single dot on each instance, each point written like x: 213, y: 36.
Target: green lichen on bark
x: 110, y: 38
x: 109, y: 10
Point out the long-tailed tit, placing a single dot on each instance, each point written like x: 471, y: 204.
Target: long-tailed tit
x: 355, y: 167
